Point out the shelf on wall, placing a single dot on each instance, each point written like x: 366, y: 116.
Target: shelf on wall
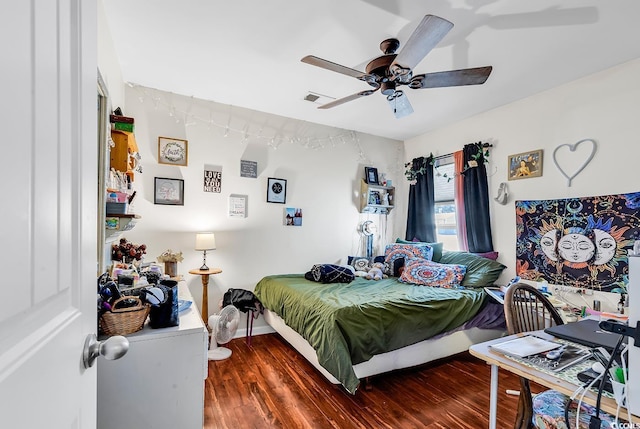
x: 116, y: 224
x: 373, y: 197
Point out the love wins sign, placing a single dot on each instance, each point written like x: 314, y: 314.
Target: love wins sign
x: 212, y: 181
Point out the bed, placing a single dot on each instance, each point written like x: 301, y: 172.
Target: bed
x: 350, y: 331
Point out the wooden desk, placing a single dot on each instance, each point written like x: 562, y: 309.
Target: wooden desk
x: 498, y: 360
x: 204, y: 274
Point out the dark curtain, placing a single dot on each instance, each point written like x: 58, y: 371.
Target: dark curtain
x: 476, y: 200
x: 421, y: 217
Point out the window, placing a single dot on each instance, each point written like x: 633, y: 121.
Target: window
x: 445, y: 207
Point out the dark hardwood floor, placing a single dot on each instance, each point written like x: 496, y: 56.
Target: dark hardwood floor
x: 270, y: 385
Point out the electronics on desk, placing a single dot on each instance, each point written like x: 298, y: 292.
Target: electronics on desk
x: 586, y: 332
x: 497, y: 292
x: 588, y: 375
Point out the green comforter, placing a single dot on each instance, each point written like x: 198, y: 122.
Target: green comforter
x: 348, y: 323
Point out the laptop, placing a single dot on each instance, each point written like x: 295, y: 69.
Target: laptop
x: 586, y: 332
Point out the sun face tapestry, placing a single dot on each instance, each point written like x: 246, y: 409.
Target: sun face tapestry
x: 580, y: 242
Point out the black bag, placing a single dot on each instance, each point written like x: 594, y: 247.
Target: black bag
x: 166, y: 313
x: 244, y: 300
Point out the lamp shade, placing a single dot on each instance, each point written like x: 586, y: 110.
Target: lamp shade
x: 205, y: 241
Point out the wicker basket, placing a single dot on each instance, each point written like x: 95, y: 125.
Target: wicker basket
x: 123, y: 321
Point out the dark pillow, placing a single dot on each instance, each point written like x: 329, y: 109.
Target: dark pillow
x: 427, y: 273
x: 480, y: 271
x: 437, y: 247
x: 488, y: 255
x: 329, y: 273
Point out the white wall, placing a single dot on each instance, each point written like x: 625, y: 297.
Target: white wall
x: 108, y: 64
x: 603, y: 107
x: 323, y: 182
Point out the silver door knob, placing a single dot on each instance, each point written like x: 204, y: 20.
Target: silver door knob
x: 111, y: 349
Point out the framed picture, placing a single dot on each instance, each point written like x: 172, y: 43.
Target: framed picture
x: 172, y: 151
x: 238, y: 205
x: 371, y: 175
x: 525, y: 165
x: 292, y: 216
x: 276, y: 190
x: 168, y: 191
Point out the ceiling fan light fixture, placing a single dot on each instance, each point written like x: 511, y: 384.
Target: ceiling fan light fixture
x: 388, y: 88
x: 392, y: 70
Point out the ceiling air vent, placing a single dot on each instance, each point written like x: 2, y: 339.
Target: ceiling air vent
x: 314, y: 97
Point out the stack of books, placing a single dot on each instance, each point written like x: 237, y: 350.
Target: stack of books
x: 121, y: 123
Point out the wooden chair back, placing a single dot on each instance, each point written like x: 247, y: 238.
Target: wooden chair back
x: 527, y: 309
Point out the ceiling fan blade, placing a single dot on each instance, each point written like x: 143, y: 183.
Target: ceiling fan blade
x: 424, y: 38
x: 473, y: 76
x: 325, y: 64
x: 351, y: 97
x: 400, y: 104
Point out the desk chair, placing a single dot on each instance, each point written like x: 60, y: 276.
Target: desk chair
x: 527, y: 309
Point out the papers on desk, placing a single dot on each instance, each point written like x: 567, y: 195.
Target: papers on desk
x: 533, y: 350
x: 525, y: 346
x: 571, y: 355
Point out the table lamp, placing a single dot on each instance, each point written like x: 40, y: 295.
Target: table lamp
x: 205, y: 241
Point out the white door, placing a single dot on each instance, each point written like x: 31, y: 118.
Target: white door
x: 47, y: 212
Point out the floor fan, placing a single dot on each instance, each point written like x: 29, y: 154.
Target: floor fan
x: 223, y: 327
x: 367, y: 229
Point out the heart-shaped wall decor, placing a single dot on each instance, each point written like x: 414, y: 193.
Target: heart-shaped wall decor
x: 572, y: 148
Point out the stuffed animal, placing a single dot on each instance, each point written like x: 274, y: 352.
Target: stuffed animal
x: 375, y: 272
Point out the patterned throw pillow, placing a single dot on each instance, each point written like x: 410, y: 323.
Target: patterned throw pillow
x: 429, y: 273
x: 437, y: 247
x: 363, y: 263
x: 394, y: 252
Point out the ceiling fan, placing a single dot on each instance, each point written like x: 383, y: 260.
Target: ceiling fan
x: 390, y: 71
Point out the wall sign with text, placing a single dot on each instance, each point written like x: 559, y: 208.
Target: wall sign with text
x: 212, y: 179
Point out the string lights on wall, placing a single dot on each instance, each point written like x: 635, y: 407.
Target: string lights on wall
x: 189, y: 111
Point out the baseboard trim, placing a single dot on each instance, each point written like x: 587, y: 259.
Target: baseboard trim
x: 258, y: 330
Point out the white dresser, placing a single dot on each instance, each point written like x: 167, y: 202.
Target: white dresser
x: 159, y: 383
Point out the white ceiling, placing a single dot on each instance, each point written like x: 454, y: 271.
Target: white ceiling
x: 247, y: 52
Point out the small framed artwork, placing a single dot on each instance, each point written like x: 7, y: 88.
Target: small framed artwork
x: 172, y: 151
x: 292, y: 216
x: 371, y: 175
x: 238, y: 205
x: 276, y: 190
x: 525, y: 165
x: 168, y: 191
x: 248, y: 168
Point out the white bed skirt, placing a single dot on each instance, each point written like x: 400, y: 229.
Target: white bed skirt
x: 406, y: 357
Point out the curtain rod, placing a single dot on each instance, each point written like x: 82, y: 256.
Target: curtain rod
x: 484, y: 145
